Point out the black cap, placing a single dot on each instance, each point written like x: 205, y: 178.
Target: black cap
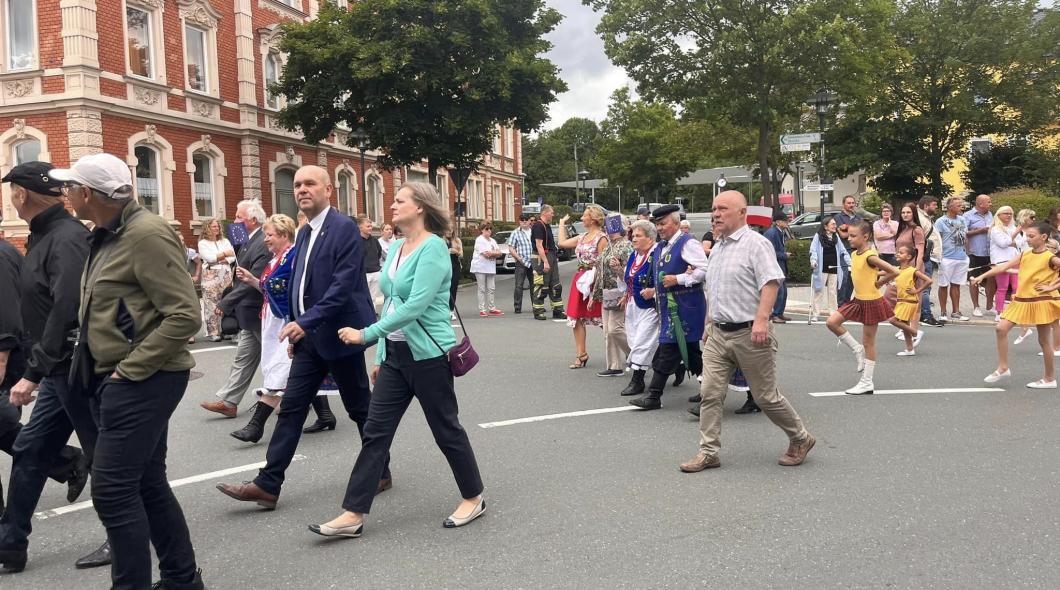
x: 35, y: 177
x: 663, y: 211
x: 780, y: 216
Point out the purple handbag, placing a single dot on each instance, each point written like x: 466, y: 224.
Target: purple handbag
x: 462, y: 357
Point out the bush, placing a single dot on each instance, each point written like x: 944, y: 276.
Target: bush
x: 873, y: 203
x: 799, y: 261
x: 1026, y: 198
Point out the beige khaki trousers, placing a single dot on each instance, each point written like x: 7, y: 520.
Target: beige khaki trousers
x: 615, y: 338
x: 722, y: 353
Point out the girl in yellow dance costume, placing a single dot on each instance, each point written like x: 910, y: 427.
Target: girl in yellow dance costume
x: 1036, y: 303
x: 911, y: 283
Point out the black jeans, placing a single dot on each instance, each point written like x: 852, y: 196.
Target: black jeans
x: 308, y: 370
x: 64, y: 465
x: 454, y: 283
x: 129, y: 486
x: 36, y: 451
x: 523, y: 275
x: 400, y: 379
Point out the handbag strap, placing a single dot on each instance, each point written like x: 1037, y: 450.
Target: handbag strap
x: 418, y: 322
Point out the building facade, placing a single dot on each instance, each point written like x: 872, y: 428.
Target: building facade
x: 178, y: 89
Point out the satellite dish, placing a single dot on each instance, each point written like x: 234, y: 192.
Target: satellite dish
x: 722, y: 182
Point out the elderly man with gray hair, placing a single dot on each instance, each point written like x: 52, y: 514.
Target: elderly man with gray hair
x: 245, y: 303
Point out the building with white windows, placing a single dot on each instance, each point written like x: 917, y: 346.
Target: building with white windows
x: 178, y: 89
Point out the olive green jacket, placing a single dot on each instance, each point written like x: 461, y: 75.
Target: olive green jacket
x: 137, y: 300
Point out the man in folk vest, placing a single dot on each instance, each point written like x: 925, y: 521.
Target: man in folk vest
x: 679, y: 267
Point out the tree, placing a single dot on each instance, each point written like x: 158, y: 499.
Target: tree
x: 751, y: 62
x: 427, y: 80
x: 550, y: 158
x: 962, y: 68
x: 1012, y: 164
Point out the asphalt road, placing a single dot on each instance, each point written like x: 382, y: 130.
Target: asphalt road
x: 919, y: 490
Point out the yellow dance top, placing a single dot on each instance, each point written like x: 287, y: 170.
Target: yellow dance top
x: 1030, y: 307
x: 864, y: 276
x: 907, y: 305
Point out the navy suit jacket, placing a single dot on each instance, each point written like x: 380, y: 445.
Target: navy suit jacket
x: 336, y: 291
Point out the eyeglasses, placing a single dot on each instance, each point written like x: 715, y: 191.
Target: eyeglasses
x: 69, y: 185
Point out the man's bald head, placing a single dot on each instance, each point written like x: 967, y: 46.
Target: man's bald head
x: 739, y: 199
x: 312, y: 190
x: 730, y: 213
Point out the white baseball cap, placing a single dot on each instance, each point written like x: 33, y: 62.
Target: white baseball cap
x: 100, y: 172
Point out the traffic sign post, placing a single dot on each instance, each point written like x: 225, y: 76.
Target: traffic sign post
x: 799, y: 138
x: 795, y: 147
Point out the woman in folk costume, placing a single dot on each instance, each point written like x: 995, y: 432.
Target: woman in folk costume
x: 582, y: 308
x: 642, y: 318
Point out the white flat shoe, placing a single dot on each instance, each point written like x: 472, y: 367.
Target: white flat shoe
x: 452, y: 522
x: 916, y: 339
x: 352, y: 531
x: 1042, y: 384
x: 1055, y: 353
x: 906, y: 353
x: 995, y: 376
x: 1023, y: 337
x: 899, y: 335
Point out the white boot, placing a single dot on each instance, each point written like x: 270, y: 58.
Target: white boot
x: 865, y: 385
x: 858, y: 349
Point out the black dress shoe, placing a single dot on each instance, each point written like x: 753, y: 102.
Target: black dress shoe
x: 76, y: 483
x: 749, y: 407
x: 610, y: 373
x: 98, y: 558
x: 694, y: 410
x: 695, y: 399
x: 12, y: 561
x: 196, y: 584
x: 679, y: 378
x: 646, y: 403
x: 559, y: 315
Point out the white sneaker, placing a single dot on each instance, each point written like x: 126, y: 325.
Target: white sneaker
x: 907, y: 353
x: 1042, y: 384
x: 1023, y: 336
x: 864, y: 387
x: 959, y: 317
x: 916, y: 339
x: 1055, y: 353
x: 899, y: 335
x: 859, y: 354
x: 812, y: 320
x: 977, y: 312
x: 995, y: 376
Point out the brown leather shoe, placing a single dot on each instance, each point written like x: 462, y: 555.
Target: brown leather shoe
x: 220, y: 407
x: 249, y: 491
x: 700, y: 462
x: 779, y: 319
x: 797, y: 452
x: 384, y: 485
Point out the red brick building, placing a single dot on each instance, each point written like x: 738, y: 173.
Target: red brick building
x: 177, y: 88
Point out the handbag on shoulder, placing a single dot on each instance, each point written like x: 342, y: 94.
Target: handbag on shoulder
x: 462, y: 356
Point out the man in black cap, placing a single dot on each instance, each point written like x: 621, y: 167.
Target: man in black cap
x: 678, y: 269
x: 49, y: 286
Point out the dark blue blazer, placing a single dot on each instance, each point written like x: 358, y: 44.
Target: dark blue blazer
x: 336, y: 290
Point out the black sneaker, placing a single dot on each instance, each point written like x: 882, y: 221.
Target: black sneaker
x: 611, y: 373
x: 559, y: 315
x: 932, y: 322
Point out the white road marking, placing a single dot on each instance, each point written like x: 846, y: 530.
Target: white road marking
x: 560, y: 321
x: 557, y: 416
x: 43, y: 515
x: 198, y: 350
x: 900, y: 391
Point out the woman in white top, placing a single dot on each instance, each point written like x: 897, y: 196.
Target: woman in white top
x: 484, y: 265
x: 217, y: 258
x: 1003, y: 248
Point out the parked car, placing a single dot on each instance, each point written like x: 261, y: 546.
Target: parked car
x: 804, y: 226
x: 505, y: 263
x: 649, y: 207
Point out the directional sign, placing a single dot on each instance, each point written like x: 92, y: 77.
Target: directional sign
x: 819, y: 187
x: 797, y: 138
x: 795, y: 147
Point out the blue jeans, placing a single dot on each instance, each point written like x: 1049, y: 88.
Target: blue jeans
x: 925, y: 297
x: 782, y: 293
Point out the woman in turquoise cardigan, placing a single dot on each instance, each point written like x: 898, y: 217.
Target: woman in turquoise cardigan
x: 413, y: 336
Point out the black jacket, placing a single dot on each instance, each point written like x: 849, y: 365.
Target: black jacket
x: 244, y: 300
x: 10, y: 314
x: 51, y: 289
x: 373, y: 254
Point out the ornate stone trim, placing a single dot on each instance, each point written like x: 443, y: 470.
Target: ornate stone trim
x: 18, y: 88
x: 289, y: 153
x: 322, y: 158
x: 202, y: 108
x: 145, y: 96
x: 19, y: 125
x: 199, y: 12
x: 282, y: 9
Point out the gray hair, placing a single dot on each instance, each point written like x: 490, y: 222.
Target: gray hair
x: 644, y: 226
x: 254, y: 210
x: 546, y: 208
x: 676, y: 217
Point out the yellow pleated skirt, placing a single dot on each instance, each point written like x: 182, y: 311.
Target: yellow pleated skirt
x: 1031, y: 313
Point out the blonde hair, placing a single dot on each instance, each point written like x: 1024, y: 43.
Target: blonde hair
x: 997, y: 215
x: 435, y: 212
x: 282, y: 224
x: 596, y: 213
x: 206, y: 225
x: 1024, y: 216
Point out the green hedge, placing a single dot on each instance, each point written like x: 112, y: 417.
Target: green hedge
x: 799, y: 261
x: 1025, y: 198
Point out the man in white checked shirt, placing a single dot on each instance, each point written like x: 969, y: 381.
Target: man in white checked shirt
x: 743, y: 278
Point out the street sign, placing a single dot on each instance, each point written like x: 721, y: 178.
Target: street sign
x: 795, y: 147
x: 797, y: 138
x: 812, y: 187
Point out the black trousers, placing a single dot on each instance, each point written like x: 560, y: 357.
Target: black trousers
x: 454, y: 283
x: 65, y: 463
x: 668, y: 360
x: 400, y: 379
x: 523, y: 276
x: 308, y: 370
x: 129, y: 486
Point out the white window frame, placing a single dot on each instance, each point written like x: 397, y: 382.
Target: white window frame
x: 274, y: 56
x: 157, y: 179
x: 351, y: 174
x: 375, y: 198
x: 218, y: 173
x: 18, y: 133
x: 167, y: 165
x: 200, y: 15
x: 509, y: 205
x: 497, y: 212
x: 7, y: 37
x: 155, y: 35
x: 497, y: 141
x: 276, y: 208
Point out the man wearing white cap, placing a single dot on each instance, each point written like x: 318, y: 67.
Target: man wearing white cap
x: 138, y: 310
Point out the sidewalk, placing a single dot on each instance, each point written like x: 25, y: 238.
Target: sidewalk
x: 799, y: 297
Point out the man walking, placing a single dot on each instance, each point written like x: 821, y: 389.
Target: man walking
x: 244, y: 301
x: 844, y: 219
x: 546, y: 268
x: 520, y: 247
x: 744, y: 279
x: 979, y: 221
x: 138, y: 309
x: 373, y: 258
x: 328, y: 292
x: 48, y: 286
x: 953, y: 271
x: 778, y: 236
x: 926, y: 209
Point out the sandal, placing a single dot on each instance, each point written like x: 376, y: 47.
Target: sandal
x: 580, y: 361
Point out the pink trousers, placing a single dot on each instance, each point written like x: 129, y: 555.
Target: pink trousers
x: 1004, y: 281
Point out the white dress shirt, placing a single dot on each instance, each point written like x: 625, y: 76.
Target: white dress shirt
x: 315, y: 224
x: 693, y: 254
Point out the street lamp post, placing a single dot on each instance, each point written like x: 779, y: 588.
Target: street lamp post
x: 821, y: 103
x: 361, y: 137
x: 583, y: 175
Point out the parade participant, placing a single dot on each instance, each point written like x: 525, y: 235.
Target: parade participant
x: 867, y: 307
x: 777, y: 234
x: 1037, y: 303
x: 829, y: 262
x: 48, y: 298
x: 582, y: 308
x: 273, y: 284
x: 910, y: 235
x: 744, y: 278
x: 138, y: 310
x: 609, y: 270
x: 413, y: 336
x: 953, y: 270
x: 642, y: 317
x: 979, y: 220
x: 372, y: 251
x: 521, y: 249
x: 931, y: 253
x: 328, y: 291
x: 217, y: 256
x: 484, y: 266
x: 546, y: 268
x: 686, y: 226
x: 844, y: 219
x: 679, y: 299
x: 737, y: 384
x: 244, y: 302
x: 910, y: 284
x: 1002, y: 249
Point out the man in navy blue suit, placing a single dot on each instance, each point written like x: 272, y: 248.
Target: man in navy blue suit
x: 328, y: 291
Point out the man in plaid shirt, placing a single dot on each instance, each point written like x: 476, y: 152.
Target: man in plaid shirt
x: 521, y: 249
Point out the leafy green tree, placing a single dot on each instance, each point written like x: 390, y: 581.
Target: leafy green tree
x: 1010, y: 165
x: 752, y: 63
x: 549, y: 157
x: 427, y: 80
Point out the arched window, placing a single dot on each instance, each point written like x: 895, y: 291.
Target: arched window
x: 147, y: 178
x: 272, y: 76
x: 374, y: 199
x: 345, y: 194
x: 284, y: 185
x: 203, y: 185
x: 26, y: 151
